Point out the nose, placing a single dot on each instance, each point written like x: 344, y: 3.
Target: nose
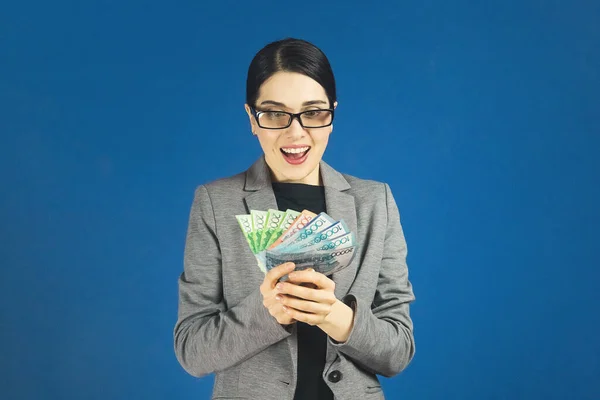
x: 295, y: 130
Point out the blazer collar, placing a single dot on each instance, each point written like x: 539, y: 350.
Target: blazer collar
x: 340, y: 205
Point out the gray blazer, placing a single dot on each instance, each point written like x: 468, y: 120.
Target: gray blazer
x: 223, y: 326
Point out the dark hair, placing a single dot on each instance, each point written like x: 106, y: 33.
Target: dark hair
x: 289, y: 55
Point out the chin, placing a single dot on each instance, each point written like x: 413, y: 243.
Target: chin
x: 294, y: 175
x: 290, y: 173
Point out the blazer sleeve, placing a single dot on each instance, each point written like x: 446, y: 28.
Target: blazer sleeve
x: 382, y: 338
x: 208, y: 336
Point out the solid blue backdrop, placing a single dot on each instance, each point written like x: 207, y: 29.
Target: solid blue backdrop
x: 483, y: 119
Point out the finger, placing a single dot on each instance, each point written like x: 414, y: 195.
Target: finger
x: 305, y: 305
x: 318, y: 295
x: 281, y: 316
x: 314, y: 277
x: 309, y: 285
x: 276, y: 310
x: 279, y: 271
x: 305, y: 284
x: 311, y: 319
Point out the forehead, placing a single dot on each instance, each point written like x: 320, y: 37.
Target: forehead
x: 291, y: 88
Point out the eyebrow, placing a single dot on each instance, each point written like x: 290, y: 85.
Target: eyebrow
x: 279, y: 104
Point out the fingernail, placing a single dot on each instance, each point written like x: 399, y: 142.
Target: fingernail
x: 278, y: 298
x: 291, y: 266
x: 279, y: 286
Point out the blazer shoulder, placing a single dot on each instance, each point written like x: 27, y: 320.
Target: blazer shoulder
x: 231, y: 183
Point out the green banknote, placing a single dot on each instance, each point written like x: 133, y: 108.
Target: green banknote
x: 245, y: 222
x: 274, y: 220
x: 259, y: 220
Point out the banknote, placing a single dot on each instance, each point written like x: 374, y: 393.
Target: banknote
x: 338, y: 242
x: 271, y: 227
x: 307, y: 242
x: 324, y: 261
x: 302, y: 237
x: 266, y: 227
x: 245, y: 222
x: 318, y: 224
x: 300, y: 222
x: 259, y: 219
x: 287, y: 219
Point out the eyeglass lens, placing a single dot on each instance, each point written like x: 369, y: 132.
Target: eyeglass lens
x: 309, y: 119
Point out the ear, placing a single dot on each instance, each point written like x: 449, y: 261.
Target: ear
x: 253, y: 125
x: 335, y: 104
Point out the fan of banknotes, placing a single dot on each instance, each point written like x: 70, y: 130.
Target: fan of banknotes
x: 307, y: 239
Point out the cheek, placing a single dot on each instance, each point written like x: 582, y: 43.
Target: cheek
x: 267, y: 143
x: 322, y: 138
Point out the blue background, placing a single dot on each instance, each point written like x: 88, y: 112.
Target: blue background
x: 483, y: 119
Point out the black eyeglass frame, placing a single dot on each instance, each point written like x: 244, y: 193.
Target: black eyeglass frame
x: 292, y: 116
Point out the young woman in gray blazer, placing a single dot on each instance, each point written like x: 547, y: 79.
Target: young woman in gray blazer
x: 314, y: 336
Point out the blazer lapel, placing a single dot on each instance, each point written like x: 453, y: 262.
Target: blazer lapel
x: 263, y: 199
x: 258, y: 182
x: 340, y: 206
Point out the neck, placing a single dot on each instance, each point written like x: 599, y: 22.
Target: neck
x: 314, y: 178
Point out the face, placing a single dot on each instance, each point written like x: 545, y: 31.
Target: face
x: 293, y: 154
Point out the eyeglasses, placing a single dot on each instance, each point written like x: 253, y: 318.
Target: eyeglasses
x: 318, y: 118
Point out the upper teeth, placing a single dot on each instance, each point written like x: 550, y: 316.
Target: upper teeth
x: 296, y: 150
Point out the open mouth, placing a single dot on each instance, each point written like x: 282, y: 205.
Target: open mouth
x: 295, y: 155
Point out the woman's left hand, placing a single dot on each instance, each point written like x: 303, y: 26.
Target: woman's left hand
x: 309, y: 297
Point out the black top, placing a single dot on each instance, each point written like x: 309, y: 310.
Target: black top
x: 312, y: 341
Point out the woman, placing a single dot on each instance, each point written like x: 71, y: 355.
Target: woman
x: 313, y: 336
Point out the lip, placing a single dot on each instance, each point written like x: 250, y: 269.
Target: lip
x: 300, y: 160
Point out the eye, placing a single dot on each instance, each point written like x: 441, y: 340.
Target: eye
x: 313, y: 114
x: 275, y: 114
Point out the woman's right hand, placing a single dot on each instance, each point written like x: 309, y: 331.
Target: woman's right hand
x: 268, y: 291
